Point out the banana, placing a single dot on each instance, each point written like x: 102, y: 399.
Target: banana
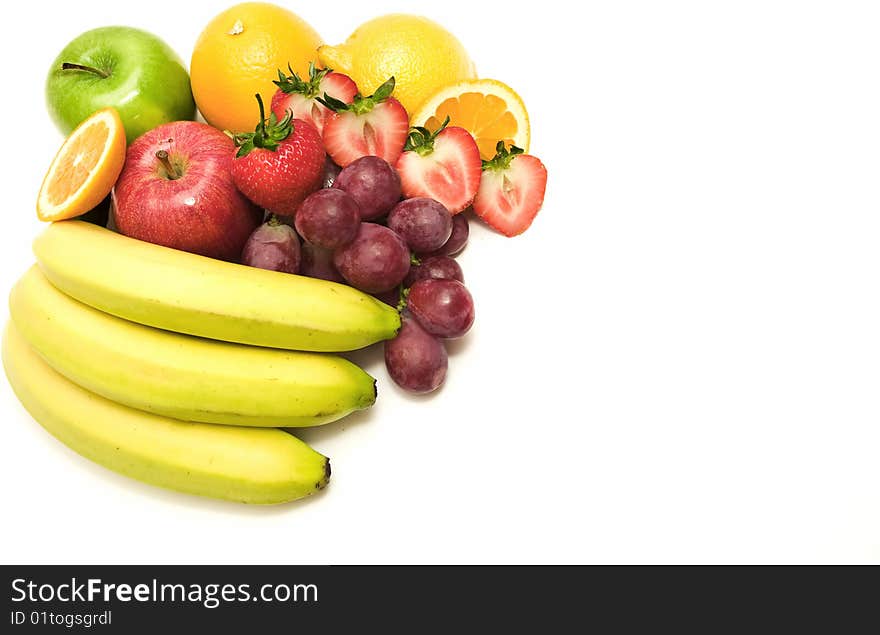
x: 182, y: 292
x: 248, y: 465
x: 182, y: 376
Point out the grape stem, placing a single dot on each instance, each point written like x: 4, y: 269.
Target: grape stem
x: 404, y: 293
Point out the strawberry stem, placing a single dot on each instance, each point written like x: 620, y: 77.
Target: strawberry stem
x: 170, y: 171
x: 262, y: 113
x: 268, y: 133
x: 70, y: 66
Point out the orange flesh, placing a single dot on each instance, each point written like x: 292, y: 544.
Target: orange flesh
x: 78, y: 161
x: 484, y: 116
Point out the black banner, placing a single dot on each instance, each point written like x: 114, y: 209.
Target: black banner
x: 416, y: 599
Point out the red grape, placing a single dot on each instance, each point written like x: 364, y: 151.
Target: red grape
x: 444, y: 308
x: 439, y: 267
x: 318, y: 263
x: 376, y: 261
x: 416, y: 360
x: 458, y: 239
x: 373, y: 183
x: 328, y: 218
x: 274, y: 246
x: 423, y: 223
x: 331, y: 171
x: 390, y: 297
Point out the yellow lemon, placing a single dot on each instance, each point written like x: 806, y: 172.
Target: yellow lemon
x: 239, y: 54
x: 490, y: 110
x: 420, y: 54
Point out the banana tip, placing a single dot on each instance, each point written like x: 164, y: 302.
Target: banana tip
x: 323, y: 482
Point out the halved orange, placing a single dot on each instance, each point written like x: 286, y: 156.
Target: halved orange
x: 490, y: 110
x: 85, y: 168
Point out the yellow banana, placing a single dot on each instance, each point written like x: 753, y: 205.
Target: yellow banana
x: 182, y: 376
x: 182, y: 292
x: 248, y: 465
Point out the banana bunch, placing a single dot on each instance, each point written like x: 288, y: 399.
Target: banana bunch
x: 177, y: 369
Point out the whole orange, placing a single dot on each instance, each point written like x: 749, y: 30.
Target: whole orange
x: 239, y: 54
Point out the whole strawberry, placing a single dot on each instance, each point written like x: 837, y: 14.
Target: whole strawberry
x: 369, y: 126
x: 444, y: 165
x: 300, y: 96
x: 279, y: 164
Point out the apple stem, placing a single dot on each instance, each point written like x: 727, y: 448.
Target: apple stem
x: 170, y: 170
x: 69, y: 66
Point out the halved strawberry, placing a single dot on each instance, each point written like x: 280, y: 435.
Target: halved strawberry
x: 369, y: 126
x: 299, y: 96
x: 511, y: 190
x: 444, y: 165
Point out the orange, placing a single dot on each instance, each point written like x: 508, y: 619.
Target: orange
x: 239, y: 54
x: 85, y: 168
x: 490, y: 110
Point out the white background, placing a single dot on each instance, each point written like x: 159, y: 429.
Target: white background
x: 678, y: 363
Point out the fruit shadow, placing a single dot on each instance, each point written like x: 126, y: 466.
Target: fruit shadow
x: 231, y: 507
x: 191, y: 501
x: 316, y: 435
x: 458, y: 347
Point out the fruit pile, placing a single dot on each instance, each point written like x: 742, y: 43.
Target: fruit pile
x: 221, y: 263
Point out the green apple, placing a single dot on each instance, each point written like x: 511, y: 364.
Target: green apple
x: 128, y: 69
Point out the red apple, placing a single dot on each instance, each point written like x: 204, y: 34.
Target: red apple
x: 176, y: 190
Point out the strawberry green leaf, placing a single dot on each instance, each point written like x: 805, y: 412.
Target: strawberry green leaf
x: 360, y: 105
x: 293, y: 83
x: 421, y: 140
x: 334, y: 104
x: 503, y: 157
x: 268, y: 133
x: 384, y: 91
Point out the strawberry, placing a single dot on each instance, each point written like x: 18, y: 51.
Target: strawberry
x: 299, y: 96
x: 511, y: 190
x: 443, y: 165
x: 376, y: 125
x: 280, y: 163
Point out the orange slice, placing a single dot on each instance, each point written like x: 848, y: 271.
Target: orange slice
x: 490, y: 110
x: 85, y: 168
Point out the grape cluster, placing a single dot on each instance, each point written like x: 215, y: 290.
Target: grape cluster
x: 358, y: 231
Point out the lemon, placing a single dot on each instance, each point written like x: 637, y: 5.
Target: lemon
x: 490, y: 110
x: 420, y: 54
x: 238, y: 55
